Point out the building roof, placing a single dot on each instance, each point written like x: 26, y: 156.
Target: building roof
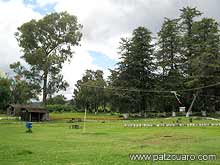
x: 29, y: 108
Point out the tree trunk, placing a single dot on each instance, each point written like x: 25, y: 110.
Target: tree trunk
x: 45, y: 88
x: 104, y: 106
x: 143, y: 102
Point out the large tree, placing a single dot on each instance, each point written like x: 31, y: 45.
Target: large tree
x: 188, y: 16
x: 169, y: 44
x: 5, y: 93
x: 206, y: 60
x: 47, y: 43
x: 25, y: 85
x: 169, y: 60
x: 187, y: 56
x: 135, y: 69
x: 90, y: 91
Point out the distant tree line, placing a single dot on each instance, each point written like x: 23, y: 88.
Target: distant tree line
x: 185, y: 55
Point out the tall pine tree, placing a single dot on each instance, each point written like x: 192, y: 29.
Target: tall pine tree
x: 136, y: 68
x: 169, y: 60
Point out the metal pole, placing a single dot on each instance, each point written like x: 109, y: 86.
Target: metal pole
x: 190, y: 108
x: 84, y: 124
x: 30, y: 117
x: 176, y: 95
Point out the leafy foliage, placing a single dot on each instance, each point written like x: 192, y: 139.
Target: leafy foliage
x: 5, y: 93
x: 60, y: 108
x: 59, y: 99
x: 47, y: 44
x: 90, y: 92
x: 185, y: 55
x: 134, y: 71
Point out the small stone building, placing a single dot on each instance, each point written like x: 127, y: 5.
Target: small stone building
x: 28, y: 112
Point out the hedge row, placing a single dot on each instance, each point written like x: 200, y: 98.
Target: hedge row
x: 60, y: 108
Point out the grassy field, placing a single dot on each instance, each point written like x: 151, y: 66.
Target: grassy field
x: 92, y: 116
x: 102, y: 143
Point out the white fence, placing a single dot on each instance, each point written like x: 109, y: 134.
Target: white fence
x: 172, y: 125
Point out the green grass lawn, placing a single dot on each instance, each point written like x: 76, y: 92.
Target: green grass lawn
x: 102, y: 143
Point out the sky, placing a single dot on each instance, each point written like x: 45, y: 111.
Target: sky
x: 104, y: 23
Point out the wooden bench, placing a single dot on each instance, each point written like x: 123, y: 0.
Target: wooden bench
x: 74, y: 126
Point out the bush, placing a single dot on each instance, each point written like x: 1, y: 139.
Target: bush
x: 60, y: 108
x: 115, y: 113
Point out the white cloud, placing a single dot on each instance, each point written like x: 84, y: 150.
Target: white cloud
x: 9, y: 22
x: 105, y: 21
x: 74, y: 70
x: 101, y: 23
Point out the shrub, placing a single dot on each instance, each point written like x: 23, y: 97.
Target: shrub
x: 60, y: 108
x: 115, y: 113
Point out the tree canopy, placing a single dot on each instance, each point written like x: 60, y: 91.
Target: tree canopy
x: 46, y: 44
x: 184, y: 56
